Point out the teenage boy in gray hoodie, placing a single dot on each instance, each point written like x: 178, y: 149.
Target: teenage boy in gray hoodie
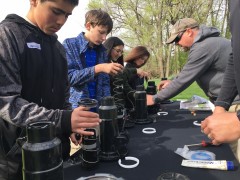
x: 207, y: 60
x: 34, y: 83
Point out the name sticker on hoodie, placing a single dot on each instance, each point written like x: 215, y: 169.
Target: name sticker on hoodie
x: 33, y: 45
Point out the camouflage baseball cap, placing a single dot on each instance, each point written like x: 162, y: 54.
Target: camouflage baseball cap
x: 180, y: 26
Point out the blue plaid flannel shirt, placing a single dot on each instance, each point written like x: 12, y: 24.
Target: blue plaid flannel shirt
x: 78, y: 72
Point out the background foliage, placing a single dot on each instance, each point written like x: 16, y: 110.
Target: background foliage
x: 148, y: 23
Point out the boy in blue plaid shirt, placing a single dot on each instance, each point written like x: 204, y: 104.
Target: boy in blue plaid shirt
x: 88, y: 67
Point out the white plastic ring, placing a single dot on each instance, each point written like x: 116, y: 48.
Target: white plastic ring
x: 162, y: 113
x: 129, y: 166
x: 196, y: 123
x: 149, y: 130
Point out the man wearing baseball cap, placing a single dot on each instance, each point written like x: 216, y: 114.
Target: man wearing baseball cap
x: 207, y: 60
x: 180, y: 26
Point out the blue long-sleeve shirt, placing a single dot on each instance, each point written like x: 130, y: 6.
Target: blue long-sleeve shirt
x: 78, y: 72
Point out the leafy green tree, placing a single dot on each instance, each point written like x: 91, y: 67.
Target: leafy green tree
x: 148, y: 23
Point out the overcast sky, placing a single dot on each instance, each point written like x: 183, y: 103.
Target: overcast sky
x: 71, y: 28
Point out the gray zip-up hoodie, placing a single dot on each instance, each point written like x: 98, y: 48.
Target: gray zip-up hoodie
x: 207, y: 60
x: 34, y: 87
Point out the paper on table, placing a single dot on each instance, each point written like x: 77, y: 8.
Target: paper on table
x: 197, y: 103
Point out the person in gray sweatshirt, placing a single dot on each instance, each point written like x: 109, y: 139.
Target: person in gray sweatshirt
x: 207, y: 60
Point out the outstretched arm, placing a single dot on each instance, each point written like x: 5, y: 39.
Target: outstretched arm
x: 198, y: 62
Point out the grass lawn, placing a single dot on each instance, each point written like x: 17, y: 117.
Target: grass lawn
x: 193, y: 89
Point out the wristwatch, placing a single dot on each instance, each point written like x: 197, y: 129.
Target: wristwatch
x: 238, y: 114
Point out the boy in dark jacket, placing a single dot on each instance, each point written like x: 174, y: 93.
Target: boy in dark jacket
x: 34, y: 83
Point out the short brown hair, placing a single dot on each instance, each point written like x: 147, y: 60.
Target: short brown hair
x: 98, y: 17
x: 136, y: 53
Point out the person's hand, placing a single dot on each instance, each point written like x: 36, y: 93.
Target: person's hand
x: 142, y: 73
x: 163, y: 84
x: 81, y: 119
x: 149, y: 100
x: 219, y: 109
x: 74, y: 140
x: 221, y: 127
x: 109, y: 68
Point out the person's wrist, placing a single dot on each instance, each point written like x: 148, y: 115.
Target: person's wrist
x: 155, y: 99
x: 219, y: 109
x: 137, y: 71
x: 98, y: 68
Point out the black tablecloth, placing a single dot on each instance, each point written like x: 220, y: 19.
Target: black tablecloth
x: 156, y: 151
